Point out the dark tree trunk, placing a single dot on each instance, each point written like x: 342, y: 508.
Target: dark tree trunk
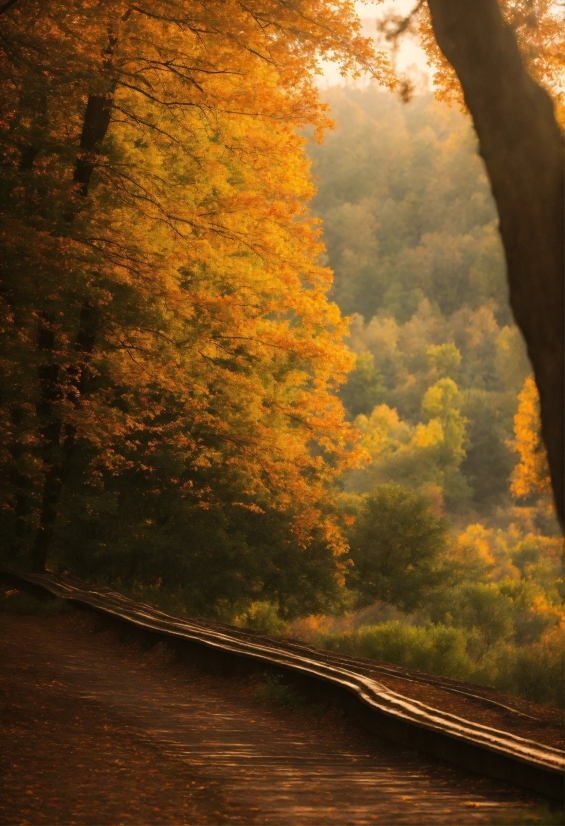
x: 57, y: 455
x: 95, y: 126
x: 59, y: 439
x: 21, y: 483
x: 7, y: 5
x: 22, y: 486
x: 50, y: 431
x: 524, y: 153
x: 77, y: 373
x: 96, y: 122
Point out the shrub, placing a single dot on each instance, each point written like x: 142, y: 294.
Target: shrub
x: 539, y: 672
x: 481, y: 605
x: 262, y: 616
x: 535, y: 671
x: 436, y: 649
x: 397, y: 547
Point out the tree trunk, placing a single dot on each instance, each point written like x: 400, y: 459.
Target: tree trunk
x: 22, y: 486
x: 524, y: 153
x: 49, y: 393
x: 57, y: 454
x: 96, y: 122
x: 95, y: 126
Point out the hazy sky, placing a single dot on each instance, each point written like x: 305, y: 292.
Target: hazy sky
x: 409, y: 53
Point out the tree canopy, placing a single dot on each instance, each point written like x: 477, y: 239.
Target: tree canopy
x: 397, y: 546
x: 410, y: 231
x: 167, y: 335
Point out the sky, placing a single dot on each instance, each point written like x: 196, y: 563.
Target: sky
x: 409, y: 53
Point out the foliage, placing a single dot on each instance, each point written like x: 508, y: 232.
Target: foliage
x: 494, y: 615
x: 396, y: 545
x: 531, y: 474
x: 445, y: 359
x: 538, y: 28
x: 429, y: 306
x: 15, y: 601
x: 436, y: 649
x: 263, y: 617
x: 146, y: 535
x: 488, y: 460
x: 426, y: 456
x: 171, y: 358
x: 364, y: 387
x: 534, y: 672
x: 173, y: 377
x: 394, y: 234
x: 270, y: 688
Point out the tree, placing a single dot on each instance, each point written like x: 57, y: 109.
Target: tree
x: 162, y: 307
x: 489, y: 461
x: 531, y: 474
x: 393, y: 233
x: 441, y: 403
x: 445, y: 359
x: 523, y: 149
x: 364, y: 388
x: 397, y: 545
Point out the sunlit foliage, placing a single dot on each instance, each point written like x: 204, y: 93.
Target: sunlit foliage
x: 410, y: 228
x: 410, y: 231
x: 396, y: 545
x: 171, y: 358
x: 406, y: 207
x: 538, y: 26
x: 531, y: 474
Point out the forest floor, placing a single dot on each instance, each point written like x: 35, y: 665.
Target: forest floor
x: 98, y: 730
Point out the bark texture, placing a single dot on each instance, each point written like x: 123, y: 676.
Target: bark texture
x: 524, y: 153
x: 96, y: 122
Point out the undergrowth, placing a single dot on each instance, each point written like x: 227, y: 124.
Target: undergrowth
x: 270, y: 688
x: 14, y: 601
x: 534, y: 671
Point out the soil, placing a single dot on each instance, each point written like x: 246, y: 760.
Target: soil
x: 98, y: 730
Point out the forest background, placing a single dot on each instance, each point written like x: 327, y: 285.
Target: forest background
x: 177, y: 415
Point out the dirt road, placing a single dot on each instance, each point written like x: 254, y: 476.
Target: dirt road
x: 98, y: 731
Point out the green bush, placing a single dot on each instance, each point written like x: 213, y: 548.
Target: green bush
x: 398, y: 549
x: 270, y: 688
x: 535, y: 671
x: 262, y: 616
x: 539, y: 673
x: 436, y: 649
x: 483, y: 606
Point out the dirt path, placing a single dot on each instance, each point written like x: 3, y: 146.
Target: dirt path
x: 95, y: 731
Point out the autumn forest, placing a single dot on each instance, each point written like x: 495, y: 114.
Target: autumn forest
x: 258, y: 361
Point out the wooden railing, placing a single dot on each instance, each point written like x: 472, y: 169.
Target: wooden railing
x: 389, y: 714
